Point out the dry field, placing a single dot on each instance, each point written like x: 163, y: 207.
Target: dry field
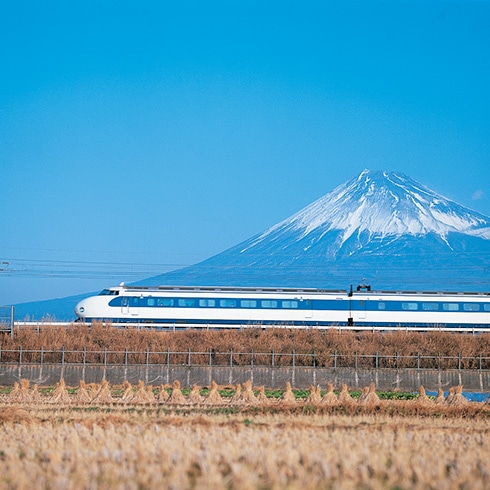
x: 137, y: 438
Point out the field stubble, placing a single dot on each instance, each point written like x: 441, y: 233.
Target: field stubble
x: 140, y: 447
x: 127, y: 441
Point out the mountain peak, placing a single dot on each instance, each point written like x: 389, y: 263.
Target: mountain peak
x: 383, y: 204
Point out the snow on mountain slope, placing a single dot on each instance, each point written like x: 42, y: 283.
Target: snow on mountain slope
x: 381, y: 205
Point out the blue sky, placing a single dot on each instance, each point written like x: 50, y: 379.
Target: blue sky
x: 140, y: 136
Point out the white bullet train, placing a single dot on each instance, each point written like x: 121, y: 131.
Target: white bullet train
x: 235, y: 307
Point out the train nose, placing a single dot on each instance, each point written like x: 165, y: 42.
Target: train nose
x: 80, y: 309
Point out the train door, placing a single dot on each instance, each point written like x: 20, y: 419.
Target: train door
x: 125, y: 305
x: 360, y: 309
x: 308, y: 310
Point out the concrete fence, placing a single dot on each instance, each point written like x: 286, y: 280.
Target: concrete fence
x: 271, y: 369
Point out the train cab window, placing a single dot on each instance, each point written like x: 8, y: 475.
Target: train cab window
x: 471, y: 307
x: 289, y: 304
x: 430, y: 306
x: 410, y: 306
x: 450, y: 306
x: 227, y: 303
x: 207, y: 303
x: 165, y: 302
x: 187, y: 302
x: 269, y: 303
x: 381, y: 305
x: 248, y: 303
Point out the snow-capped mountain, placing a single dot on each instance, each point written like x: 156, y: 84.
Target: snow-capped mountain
x: 380, y: 205
x: 381, y: 227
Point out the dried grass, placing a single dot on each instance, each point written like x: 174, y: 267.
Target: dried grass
x: 282, y: 340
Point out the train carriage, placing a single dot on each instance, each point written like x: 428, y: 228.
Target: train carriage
x: 237, y: 307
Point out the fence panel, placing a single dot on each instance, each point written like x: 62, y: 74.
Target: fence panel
x: 231, y: 358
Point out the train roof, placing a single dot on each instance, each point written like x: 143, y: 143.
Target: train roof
x: 149, y: 289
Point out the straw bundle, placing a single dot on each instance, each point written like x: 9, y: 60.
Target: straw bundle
x: 142, y: 395
x: 104, y: 394
x: 60, y: 394
x: 314, y: 398
x: 458, y: 399
x: 364, y: 393
x: 35, y: 395
x: 288, y: 395
x: 330, y: 398
x: 370, y: 396
x: 21, y: 394
x: 213, y: 397
x: 82, y: 395
x: 163, y: 395
x: 423, y: 399
x: 195, y: 396
x: 450, y: 396
x: 345, y: 397
x: 248, y: 395
x: 237, y: 399
x: 440, y: 400
x: 262, y: 397
x: 177, y: 398
x: 128, y: 392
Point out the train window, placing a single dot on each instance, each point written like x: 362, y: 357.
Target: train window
x: 381, y: 305
x: 134, y: 301
x: 450, y: 306
x: 486, y: 307
x: 471, y: 307
x: 186, y: 302
x: 227, y: 303
x: 269, y: 303
x: 165, y: 302
x: 151, y: 301
x: 289, y: 304
x: 210, y: 303
x: 248, y: 303
x: 430, y: 306
x: 105, y: 292
x: 410, y: 306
